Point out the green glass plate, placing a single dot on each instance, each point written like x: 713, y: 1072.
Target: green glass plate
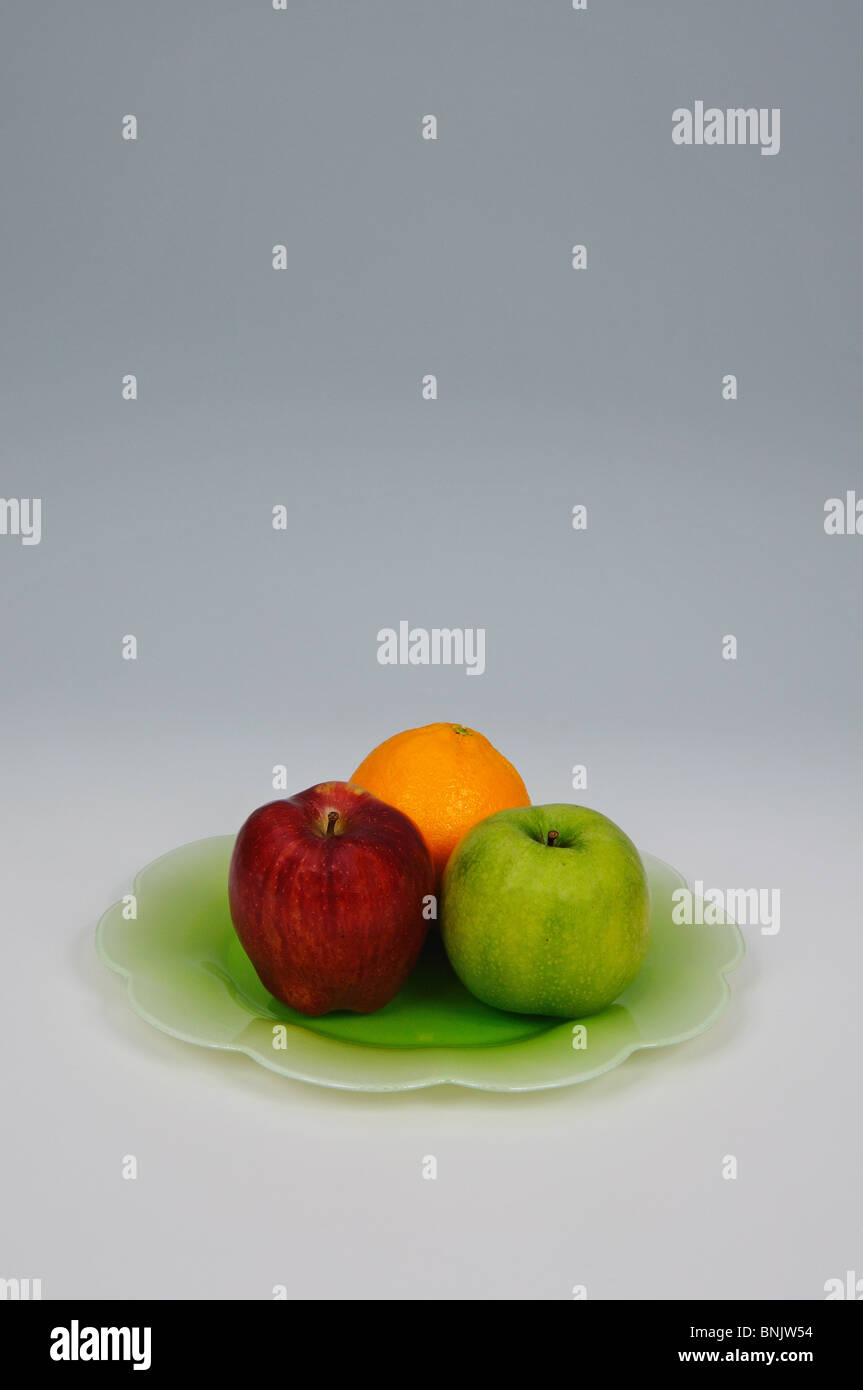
x: 187, y: 974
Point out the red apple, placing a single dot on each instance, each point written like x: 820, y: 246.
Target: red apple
x: 326, y: 891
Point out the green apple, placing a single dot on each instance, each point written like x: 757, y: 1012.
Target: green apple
x: 546, y: 910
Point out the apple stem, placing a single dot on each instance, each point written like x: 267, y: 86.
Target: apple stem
x: 553, y: 836
x: 331, y: 822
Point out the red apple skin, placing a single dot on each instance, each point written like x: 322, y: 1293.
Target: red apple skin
x: 330, y: 920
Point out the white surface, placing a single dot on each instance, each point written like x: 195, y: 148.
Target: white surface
x: 247, y: 1180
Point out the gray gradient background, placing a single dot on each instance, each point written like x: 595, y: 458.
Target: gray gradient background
x: 257, y: 647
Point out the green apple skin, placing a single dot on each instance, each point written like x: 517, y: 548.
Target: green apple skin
x: 541, y: 928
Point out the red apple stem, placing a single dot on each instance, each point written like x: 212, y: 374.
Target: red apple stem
x: 553, y: 836
x: 331, y: 822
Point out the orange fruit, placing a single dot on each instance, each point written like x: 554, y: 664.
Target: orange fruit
x: 446, y: 778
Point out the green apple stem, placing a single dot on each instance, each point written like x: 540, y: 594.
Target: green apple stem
x: 331, y: 822
x: 553, y: 837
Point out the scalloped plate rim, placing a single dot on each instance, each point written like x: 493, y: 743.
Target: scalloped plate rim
x: 426, y: 1079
